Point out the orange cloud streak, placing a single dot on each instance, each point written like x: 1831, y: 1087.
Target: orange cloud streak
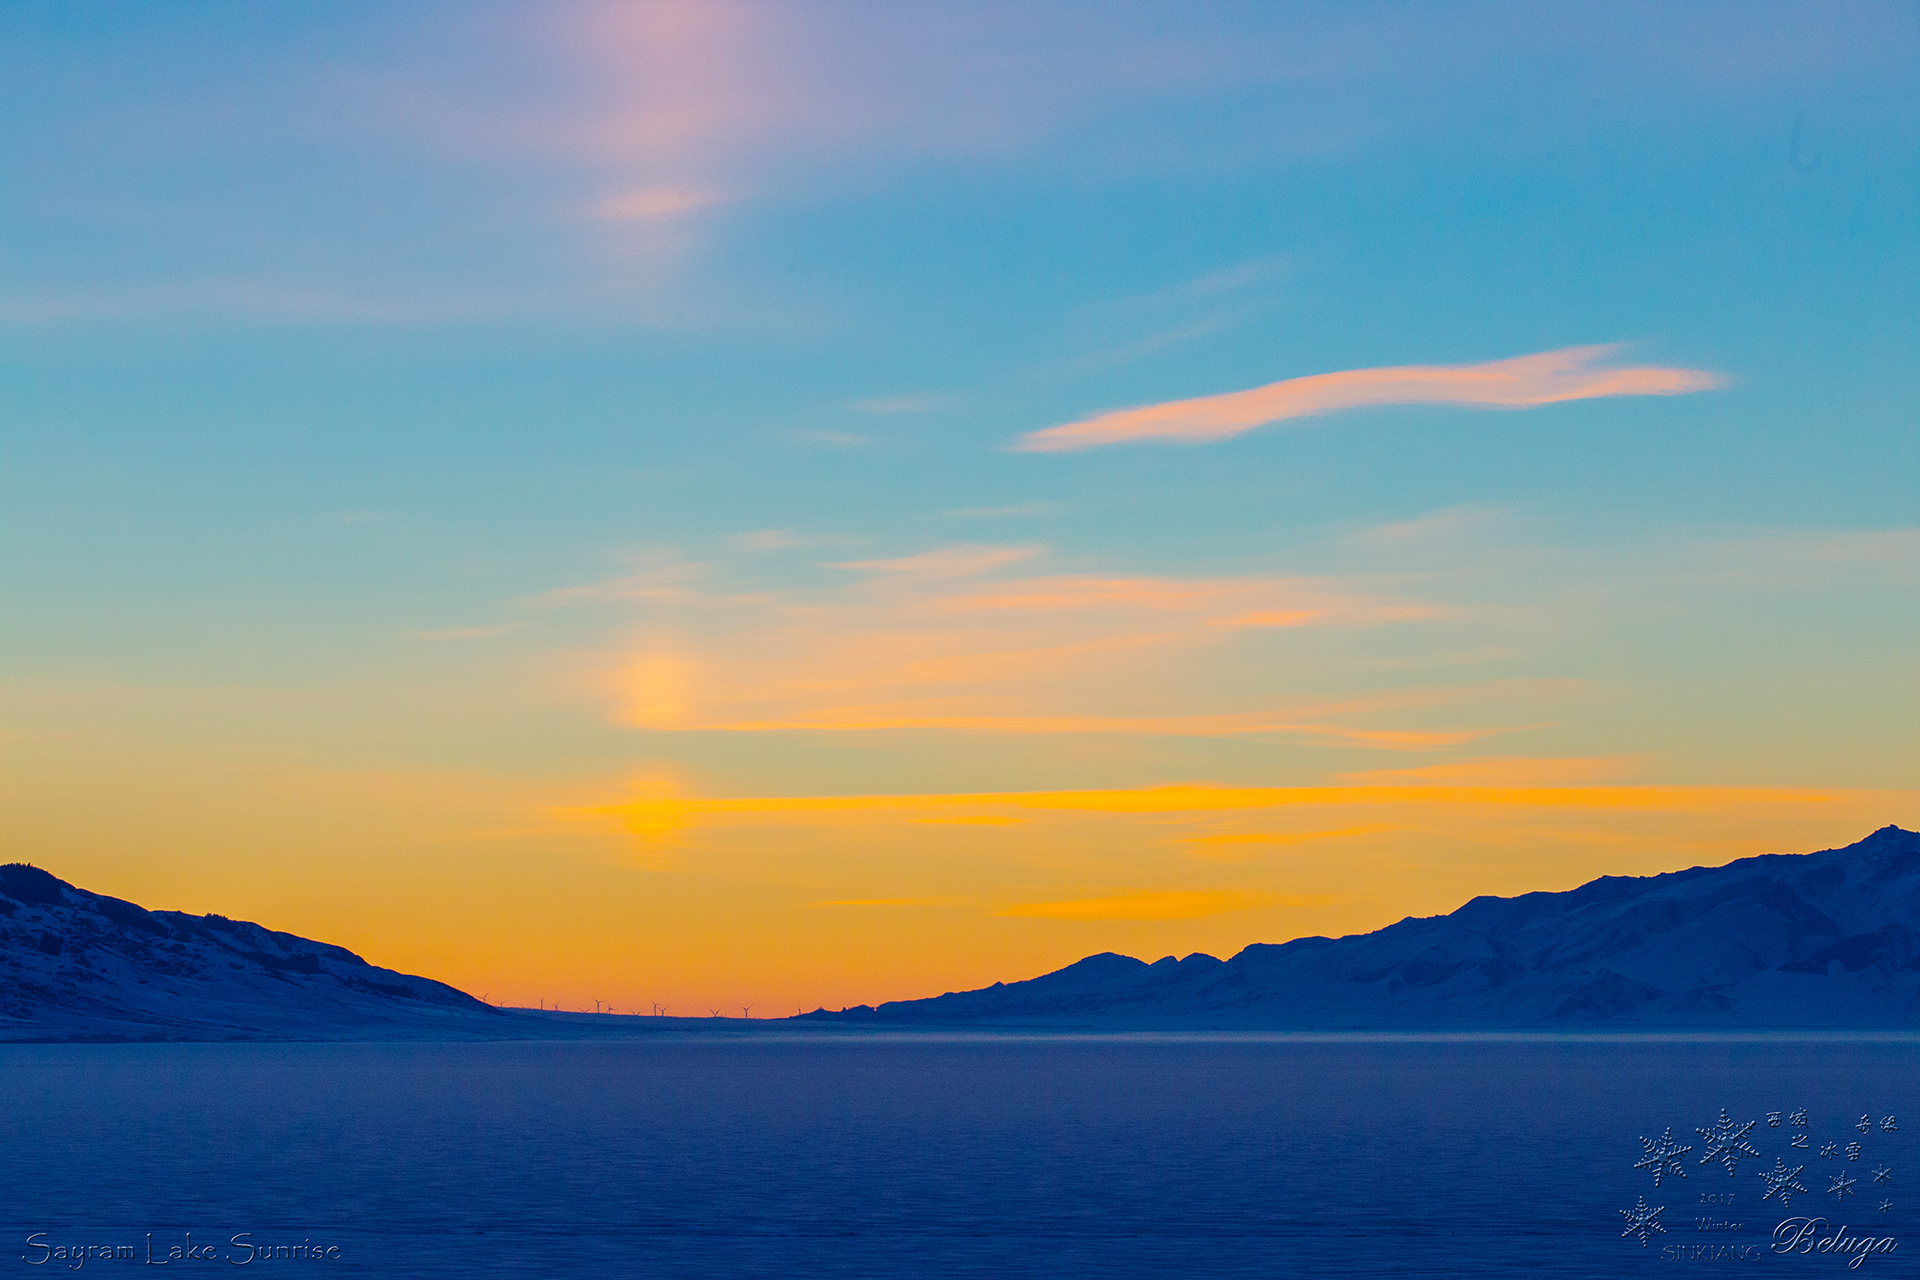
x: 653, y: 813
x: 1237, y: 838
x: 922, y: 642
x: 1547, y: 377
x: 1504, y: 771
x: 1213, y: 726
x: 1174, y: 904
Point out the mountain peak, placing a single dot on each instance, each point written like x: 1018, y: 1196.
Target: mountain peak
x: 1887, y: 838
x: 24, y: 882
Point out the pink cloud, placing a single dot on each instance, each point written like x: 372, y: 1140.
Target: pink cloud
x: 1521, y: 382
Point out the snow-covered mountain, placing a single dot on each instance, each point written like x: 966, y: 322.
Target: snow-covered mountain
x: 1826, y: 940
x: 1818, y: 940
x: 75, y: 964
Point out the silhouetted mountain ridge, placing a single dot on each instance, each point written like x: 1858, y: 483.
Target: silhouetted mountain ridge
x: 1826, y: 940
x: 79, y: 964
x: 1819, y: 940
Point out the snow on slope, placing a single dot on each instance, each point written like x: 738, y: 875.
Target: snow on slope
x: 1820, y: 940
x: 78, y: 964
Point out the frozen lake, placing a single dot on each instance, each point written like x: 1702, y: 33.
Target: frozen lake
x: 770, y: 1155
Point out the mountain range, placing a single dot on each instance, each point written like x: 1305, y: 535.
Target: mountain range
x: 76, y: 965
x: 1818, y: 940
x: 1827, y: 940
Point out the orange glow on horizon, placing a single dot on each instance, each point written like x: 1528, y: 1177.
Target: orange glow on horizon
x: 532, y: 892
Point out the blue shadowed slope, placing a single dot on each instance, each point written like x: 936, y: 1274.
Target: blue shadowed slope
x: 75, y: 964
x: 1822, y: 940
x: 1828, y: 940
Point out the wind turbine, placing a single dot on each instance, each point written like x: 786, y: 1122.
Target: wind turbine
x: 746, y: 1011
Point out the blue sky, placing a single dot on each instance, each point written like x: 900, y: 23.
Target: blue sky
x: 558, y: 403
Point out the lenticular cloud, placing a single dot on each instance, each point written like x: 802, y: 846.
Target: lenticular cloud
x: 1521, y: 382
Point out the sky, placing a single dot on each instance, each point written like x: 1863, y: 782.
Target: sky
x: 752, y: 506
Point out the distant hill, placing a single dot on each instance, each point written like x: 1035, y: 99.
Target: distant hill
x: 1827, y: 940
x: 78, y: 965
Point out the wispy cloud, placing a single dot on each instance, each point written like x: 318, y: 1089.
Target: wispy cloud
x: 767, y: 540
x: 1212, y: 284
x: 1802, y: 557
x: 1435, y: 525
x: 1549, y: 377
x: 1250, y: 725
x: 1504, y: 771
x: 1116, y: 330
x: 947, y: 562
x: 983, y: 640
x: 1224, y: 603
x: 762, y: 540
x: 959, y: 640
x: 1170, y: 904
x: 1890, y: 548
x: 665, y: 583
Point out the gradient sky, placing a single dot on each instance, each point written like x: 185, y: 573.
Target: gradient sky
x: 740, y: 504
